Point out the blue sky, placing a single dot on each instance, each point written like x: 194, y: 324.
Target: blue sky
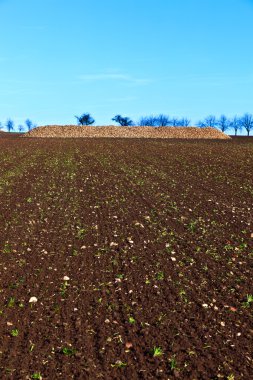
x: 60, y: 58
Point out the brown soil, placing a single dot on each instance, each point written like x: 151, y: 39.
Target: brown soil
x: 10, y: 135
x: 155, y: 238
x: 137, y: 132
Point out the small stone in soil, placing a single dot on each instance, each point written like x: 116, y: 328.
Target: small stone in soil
x: 33, y: 300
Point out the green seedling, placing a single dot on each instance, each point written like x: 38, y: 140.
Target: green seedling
x: 243, y: 246
x: 156, y: 351
x: 11, y: 302
x: 228, y: 247
x: 69, y: 351
x: 75, y: 252
x: 161, y: 318
x: 192, y: 225
x: 31, y: 348
x: 64, y: 288
x: 249, y: 301
x: 37, y: 375
x: 14, y: 332
x: 6, y: 248
x: 131, y: 320
x: 81, y: 232
x: 10, y: 370
x: 15, y: 285
x: 173, y: 363
x: 119, y: 364
x: 160, y: 276
x: 183, y: 296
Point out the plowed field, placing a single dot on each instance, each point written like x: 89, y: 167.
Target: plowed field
x: 139, y: 256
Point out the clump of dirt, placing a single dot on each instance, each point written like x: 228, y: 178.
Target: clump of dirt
x: 126, y: 132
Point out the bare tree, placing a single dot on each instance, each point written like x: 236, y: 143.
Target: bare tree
x: 223, y: 123
x: 163, y: 120
x: 246, y: 122
x: 184, y: 122
x: 235, y: 124
x: 142, y: 121
x: 209, y: 121
x: 10, y: 125
x: 150, y: 121
x: 20, y: 128
x: 174, y: 122
x: 123, y: 121
x: 29, y: 124
x: 85, y: 119
x: 155, y: 121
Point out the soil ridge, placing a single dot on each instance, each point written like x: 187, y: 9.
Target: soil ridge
x: 73, y: 131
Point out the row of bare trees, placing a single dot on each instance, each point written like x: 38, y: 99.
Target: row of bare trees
x: 10, y: 126
x: 163, y: 121
x: 236, y: 123
x: 152, y: 121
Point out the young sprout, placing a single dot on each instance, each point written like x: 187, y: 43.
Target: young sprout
x: 14, y: 332
x: 11, y: 302
x: 173, y: 363
x: 37, y: 375
x: 160, y: 276
x: 131, y: 320
x: 6, y: 248
x: 31, y: 348
x: 192, y: 225
x: 81, y: 232
x: 156, y: 351
x: 69, y: 351
x: 182, y: 295
x: 249, y: 300
x: 64, y: 285
x: 119, y: 364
